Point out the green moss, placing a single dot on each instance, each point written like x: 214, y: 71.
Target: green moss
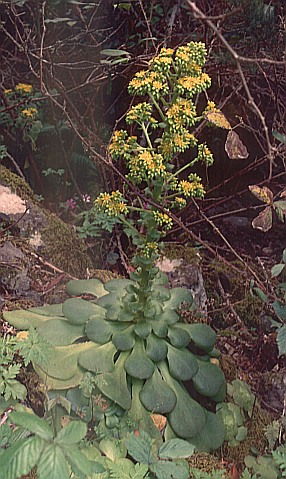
x: 205, y: 462
x: 188, y: 253
x: 17, y: 184
x: 64, y: 248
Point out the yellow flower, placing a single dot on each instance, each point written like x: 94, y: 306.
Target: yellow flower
x: 25, y: 87
x: 6, y: 92
x: 29, y: 112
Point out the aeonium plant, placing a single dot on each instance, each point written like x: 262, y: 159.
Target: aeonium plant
x: 131, y: 341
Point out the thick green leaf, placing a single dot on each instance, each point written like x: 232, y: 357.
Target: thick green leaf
x: 156, y: 348
x: 111, y: 299
x: 125, y: 469
x: 72, y: 433
x: 281, y: 340
x: 221, y: 395
x: 182, y: 363
x: 98, y: 330
x: 52, y: 383
x: 118, y: 284
x: 159, y: 327
x: 170, y: 470
x: 188, y: 417
x: 98, y: 359
x: 156, y: 395
x: 203, y: 335
x: 162, y: 293
x: 138, y: 365
x: 178, y: 296
x: 78, y: 310
x: 77, y: 287
x: 53, y: 464
x: 25, y: 319
x: 143, y: 329
x: 114, y: 385
x: 280, y: 309
x: 112, y: 448
x: 179, y: 337
x: 141, y: 447
x: 212, y: 435
x: 176, y: 449
x: 169, y: 316
x: 209, y: 379
x: 49, y: 310
x: 79, y: 461
x: 153, y: 309
x: 33, y: 423
x: 124, y: 340
x: 60, y: 332
x: 277, y: 269
x: 21, y: 457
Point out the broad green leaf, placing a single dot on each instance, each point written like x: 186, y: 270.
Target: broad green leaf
x: 209, y: 379
x: 63, y: 363
x: 118, y: 284
x: 281, y: 340
x: 153, y: 309
x: 280, y: 309
x: 159, y: 327
x: 77, y: 287
x: 212, y: 435
x: 188, y: 417
x: 114, y: 385
x: 143, y: 329
x: 156, y: 348
x: 112, y: 448
x: 53, y: 464
x: 170, y: 469
x: 79, y: 460
x: 59, y: 332
x: 169, y: 316
x: 179, y: 337
x: 125, y: 469
x: 124, y: 340
x: 156, y: 395
x: 21, y: 457
x: 52, y: 383
x: 78, y: 310
x: 176, y: 449
x: 182, y: 363
x: 138, y: 365
x: 98, y: 359
x: 161, y: 292
x: 33, y: 423
x: 277, y: 269
x: 98, y: 330
x: 72, y: 433
x: 202, y: 335
x: 49, y: 310
x: 111, y: 299
x: 279, y: 136
x: 178, y: 295
x: 25, y: 319
x: 141, y: 447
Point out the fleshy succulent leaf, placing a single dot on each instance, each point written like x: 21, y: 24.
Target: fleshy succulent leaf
x: 179, y: 337
x: 78, y: 310
x: 98, y: 359
x: 212, y: 435
x: 156, y: 348
x: 156, y: 395
x: 60, y: 332
x: 178, y: 296
x: 138, y: 364
x: 143, y: 329
x: 124, y: 340
x: 98, y: 330
x: 209, y: 379
x: 182, y: 363
x: 77, y: 287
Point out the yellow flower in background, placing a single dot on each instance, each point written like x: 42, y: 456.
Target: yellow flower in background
x: 113, y: 204
x: 25, y: 87
x: 29, y: 112
x: 6, y: 92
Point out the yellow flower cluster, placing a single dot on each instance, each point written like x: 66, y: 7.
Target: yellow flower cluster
x: 190, y: 85
x: 191, y: 188
x: 145, y: 165
x: 24, y: 87
x: 29, y: 112
x: 122, y: 145
x: 192, y: 55
x: 113, y: 204
x: 181, y: 113
x: 163, y: 61
x: 179, y: 202
x: 162, y: 219
x: 140, y: 113
x: 176, y: 141
x: 148, y: 82
x: 205, y: 155
x: 149, y: 250
x: 8, y: 91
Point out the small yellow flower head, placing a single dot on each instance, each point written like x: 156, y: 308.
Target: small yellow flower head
x: 140, y: 113
x: 150, y: 250
x: 7, y: 92
x: 148, y: 82
x: 205, y: 155
x: 181, y: 113
x: 179, y: 202
x: 29, y: 112
x: 146, y: 165
x: 163, y: 220
x: 24, y: 87
x: 113, y: 204
x: 191, y: 188
x: 190, y: 85
x: 122, y: 145
x: 163, y: 61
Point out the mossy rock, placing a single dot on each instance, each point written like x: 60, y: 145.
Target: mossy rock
x: 61, y: 245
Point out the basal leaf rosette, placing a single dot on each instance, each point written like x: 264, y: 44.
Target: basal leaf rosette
x: 132, y: 335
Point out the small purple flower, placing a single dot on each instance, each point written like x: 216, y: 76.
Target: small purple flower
x: 71, y: 204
